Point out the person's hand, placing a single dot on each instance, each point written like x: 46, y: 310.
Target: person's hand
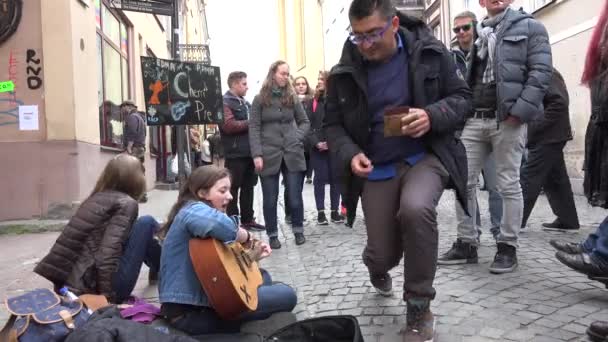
x: 419, y: 123
x: 322, y: 146
x: 266, y: 250
x: 513, y: 120
x: 259, y: 164
x: 360, y: 165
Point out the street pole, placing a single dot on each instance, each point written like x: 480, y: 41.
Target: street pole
x: 179, y: 129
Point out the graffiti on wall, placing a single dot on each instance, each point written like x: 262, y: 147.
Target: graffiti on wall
x: 24, y: 73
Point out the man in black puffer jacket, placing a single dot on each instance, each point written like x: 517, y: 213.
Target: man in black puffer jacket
x: 394, y: 61
x: 509, y: 74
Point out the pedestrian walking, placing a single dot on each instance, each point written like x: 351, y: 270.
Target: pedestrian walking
x: 392, y: 64
x: 135, y: 134
x: 546, y: 168
x: 509, y: 72
x: 277, y: 128
x: 237, y: 152
x: 320, y: 157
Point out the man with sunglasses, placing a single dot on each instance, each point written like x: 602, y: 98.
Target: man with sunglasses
x: 392, y: 64
x: 464, y: 29
x: 509, y: 72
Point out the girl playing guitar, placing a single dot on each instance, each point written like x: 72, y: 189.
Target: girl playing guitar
x: 200, y: 212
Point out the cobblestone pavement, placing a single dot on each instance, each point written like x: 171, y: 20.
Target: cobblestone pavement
x: 541, y: 301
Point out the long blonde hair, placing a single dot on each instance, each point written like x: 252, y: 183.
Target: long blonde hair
x: 288, y: 92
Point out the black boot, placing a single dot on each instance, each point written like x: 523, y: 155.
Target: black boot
x: 383, y: 283
x: 275, y: 243
x: 460, y: 253
x: 505, y: 260
x: 300, y: 239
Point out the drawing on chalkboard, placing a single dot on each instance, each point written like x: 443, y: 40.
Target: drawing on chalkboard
x: 156, y: 88
x: 181, y: 93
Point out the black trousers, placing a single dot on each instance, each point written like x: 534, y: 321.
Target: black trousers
x: 244, y: 180
x: 546, y: 169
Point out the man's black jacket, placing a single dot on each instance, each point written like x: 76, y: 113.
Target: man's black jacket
x: 554, y: 125
x: 434, y: 86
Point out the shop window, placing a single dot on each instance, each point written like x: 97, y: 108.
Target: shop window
x: 113, y: 68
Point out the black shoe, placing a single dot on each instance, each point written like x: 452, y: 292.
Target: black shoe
x: 300, y: 239
x: 152, y: 277
x: 275, y: 243
x: 143, y: 198
x: 308, y: 180
x: 253, y: 226
x: 460, y: 253
x: 505, y: 260
x: 558, y: 226
x: 321, y: 219
x: 336, y: 217
x: 420, y: 326
x: 568, y: 247
x: 598, y: 331
x: 584, y: 263
x: 383, y: 283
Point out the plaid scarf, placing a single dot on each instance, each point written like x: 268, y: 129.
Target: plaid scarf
x: 486, y: 43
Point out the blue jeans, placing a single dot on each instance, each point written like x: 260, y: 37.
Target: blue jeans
x: 139, y: 248
x: 270, y: 190
x: 272, y: 298
x: 597, y: 243
x: 494, y: 200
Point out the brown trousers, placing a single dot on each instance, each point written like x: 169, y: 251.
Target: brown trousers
x: 401, y: 220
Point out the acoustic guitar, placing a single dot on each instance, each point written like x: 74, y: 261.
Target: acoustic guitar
x: 228, y: 274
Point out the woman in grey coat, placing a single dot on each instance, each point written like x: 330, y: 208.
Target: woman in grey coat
x: 277, y: 128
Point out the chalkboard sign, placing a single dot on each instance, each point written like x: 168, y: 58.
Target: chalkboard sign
x: 181, y: 93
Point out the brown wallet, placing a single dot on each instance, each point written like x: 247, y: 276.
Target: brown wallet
x: 392, y: 121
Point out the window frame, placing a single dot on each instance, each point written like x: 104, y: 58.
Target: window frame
x: 105, y: 137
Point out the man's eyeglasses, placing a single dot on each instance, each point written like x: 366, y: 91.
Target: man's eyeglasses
x: 371, y: 38
x: 464, y: 28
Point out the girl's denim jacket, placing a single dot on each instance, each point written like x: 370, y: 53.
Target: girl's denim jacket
x: 178, y: 281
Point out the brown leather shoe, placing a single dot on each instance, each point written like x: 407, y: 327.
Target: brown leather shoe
x: 420, y: 321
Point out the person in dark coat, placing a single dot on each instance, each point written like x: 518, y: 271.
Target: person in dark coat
x: 545, y: 168
x: 102, y: 248
x: 590, y: 256
x: 320, y: 157
x: 388, y: 62
x: 235, y: 140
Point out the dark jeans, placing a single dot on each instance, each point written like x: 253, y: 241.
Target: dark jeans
x: 272, y: 298
x: 270, y: 190
x: 401, y: 221
x: 244, y: 180
x: 546, y: 169
x: 140, y: 247
x: 597, y: 243
x: 321, y: 164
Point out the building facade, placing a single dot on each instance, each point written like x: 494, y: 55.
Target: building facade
x: 300, y: 37
x: 72, y: 63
